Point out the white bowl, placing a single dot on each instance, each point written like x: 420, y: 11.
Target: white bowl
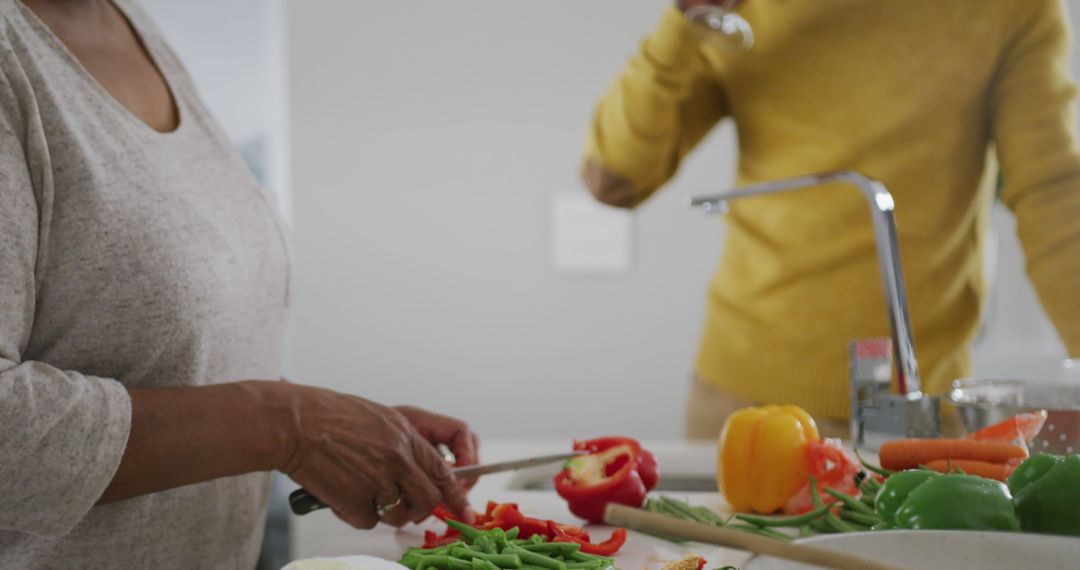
x: 941, y: 549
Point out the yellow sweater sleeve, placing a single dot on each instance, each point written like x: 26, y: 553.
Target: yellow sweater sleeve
x: 658, y: 109
x: 1034, y: 132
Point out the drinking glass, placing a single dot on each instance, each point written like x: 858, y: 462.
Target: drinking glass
x: 726, y: 28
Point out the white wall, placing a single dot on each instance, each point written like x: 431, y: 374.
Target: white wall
x: 427, y: 140
x: 235, y: 53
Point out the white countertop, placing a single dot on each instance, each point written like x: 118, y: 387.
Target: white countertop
x: 321, y: 534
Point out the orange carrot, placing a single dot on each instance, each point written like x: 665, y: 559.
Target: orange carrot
x: 901, y: 454
x: 997, y: 471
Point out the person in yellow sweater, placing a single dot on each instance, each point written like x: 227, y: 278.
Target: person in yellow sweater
x: 932, y: 98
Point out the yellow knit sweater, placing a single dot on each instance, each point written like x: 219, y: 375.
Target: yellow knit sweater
x: 922, y: 95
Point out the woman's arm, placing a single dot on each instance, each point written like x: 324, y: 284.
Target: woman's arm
x: 354, y: 454
x: 661, y: 105
x: 1034, y: 130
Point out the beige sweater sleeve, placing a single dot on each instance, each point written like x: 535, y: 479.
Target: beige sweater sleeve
x: 62, y: 433
x: 1034, y: 130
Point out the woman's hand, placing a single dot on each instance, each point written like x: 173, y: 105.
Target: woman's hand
x: 358, y: 457
x: 451, y: 432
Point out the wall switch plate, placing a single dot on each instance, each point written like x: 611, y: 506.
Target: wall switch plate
x: 589, y: 237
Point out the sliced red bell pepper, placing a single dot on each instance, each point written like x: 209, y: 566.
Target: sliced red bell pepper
x: 507, y: 516
x: 831, y: 466
x: 435, y: 540
x: 616, y: 470
x: 606, y: 548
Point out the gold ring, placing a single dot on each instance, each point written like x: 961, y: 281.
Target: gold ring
x: 382, y: 510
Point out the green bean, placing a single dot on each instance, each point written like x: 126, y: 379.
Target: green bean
x: 557, y: 548
x: 684, y: 510
x: 713, y: 518
x: 591, y: 565
x: 500, y: 560
x: 537, y: 539
x: 486, y: 544
x: 838, y: 524
x: 850, y: 502
x: 481, y: 564
x: 468, y: 532
x: 512, y: 534
x: 410, y: 561
x: 535, y: 559
x: 821, y: 526
x: 580, y: 556
x: 879, y: 470
x: 531, y: 567
x: 805, y: 530
x: 859, y: 518
x: 444, y: 561
x: 763, y: 531
x: 783, y: 521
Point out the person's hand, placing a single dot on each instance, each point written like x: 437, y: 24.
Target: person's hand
x: 358, y: 457
x: 451, y: 432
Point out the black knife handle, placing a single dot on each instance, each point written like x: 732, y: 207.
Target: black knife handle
x: 301, y: 502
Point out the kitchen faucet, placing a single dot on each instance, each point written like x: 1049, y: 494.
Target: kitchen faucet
x: 877, y: 414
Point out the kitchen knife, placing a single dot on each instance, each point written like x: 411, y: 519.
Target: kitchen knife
x: 301, y: 502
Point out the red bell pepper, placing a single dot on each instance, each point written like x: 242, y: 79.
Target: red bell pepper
x: 830, y: 466
x: 616, y: 470
x: 606, y: 548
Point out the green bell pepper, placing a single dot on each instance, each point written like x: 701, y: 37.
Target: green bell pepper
x: 1046, y: 491
x: 897, y: 488
x: 959, y: 502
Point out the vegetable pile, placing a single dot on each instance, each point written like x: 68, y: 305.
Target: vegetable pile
x: 507, y: 517
x: 957, y: 484
x: 497, y: 549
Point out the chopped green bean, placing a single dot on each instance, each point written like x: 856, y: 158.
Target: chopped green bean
x: 468, y: 532
x: 591, y: 565
x: 535, y: 559
x: 557, y: 548
x: 512, y: 534
x: 536, y: 539
x: 444, y: 561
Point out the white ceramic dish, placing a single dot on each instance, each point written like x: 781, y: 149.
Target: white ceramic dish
x: 946, y: 549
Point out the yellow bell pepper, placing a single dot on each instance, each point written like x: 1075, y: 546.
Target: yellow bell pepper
x: 762, y: 456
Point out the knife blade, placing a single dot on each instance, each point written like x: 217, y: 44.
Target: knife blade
x: 302, y: 502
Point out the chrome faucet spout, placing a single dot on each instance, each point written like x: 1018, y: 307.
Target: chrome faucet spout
x: 888, y: 251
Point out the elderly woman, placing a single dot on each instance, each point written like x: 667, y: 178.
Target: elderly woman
x: 144, y: 281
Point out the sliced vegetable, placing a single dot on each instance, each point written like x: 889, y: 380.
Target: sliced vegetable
x: 606, y: 548
x: 763, y: 455
x: 616, y: 470
x: 902, y: 454
x: 831, y: 466
x: 1020, y: 429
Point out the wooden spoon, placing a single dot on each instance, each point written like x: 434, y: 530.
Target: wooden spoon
x: 671, y: 527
